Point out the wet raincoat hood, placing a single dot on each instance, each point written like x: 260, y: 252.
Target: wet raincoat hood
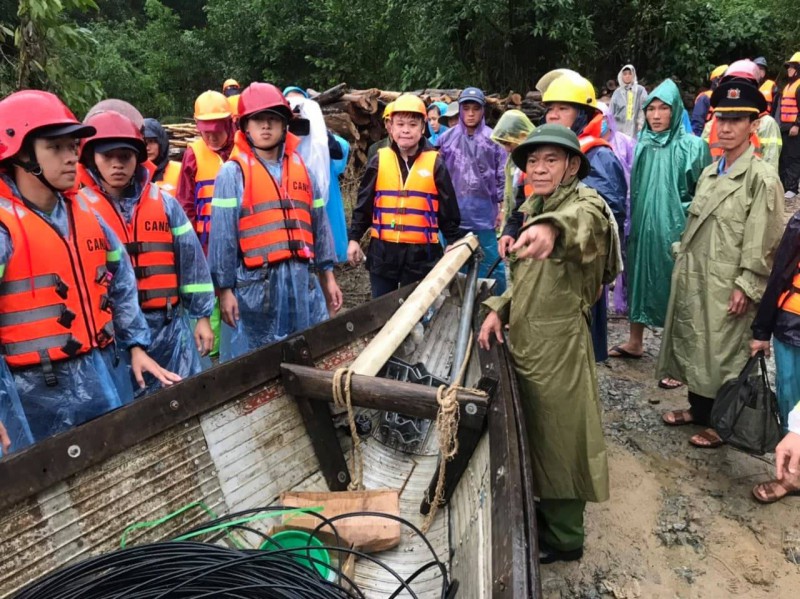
x: 635, y: 80
x: 154, y: 130
x: 668, y: 93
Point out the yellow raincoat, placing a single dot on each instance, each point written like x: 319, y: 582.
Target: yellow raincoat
x: 552, y: 345
x: 735, y: 223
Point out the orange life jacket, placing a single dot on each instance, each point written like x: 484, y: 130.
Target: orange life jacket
x: 275, y: 219
x: 527, y: 188
x: 54, y: 296
x: 406, y: 212
x: 591, y: 136
x: 767, y: 90
x: 789, y: 102
x: 789, y: 300
x: 170, y: 178
x: 149, y: 241
x: 716, y: 149
x: 233, y: 102
x: 208, y: 165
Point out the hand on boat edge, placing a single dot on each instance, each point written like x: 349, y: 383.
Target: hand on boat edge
x: 492, y: 326
x: 141, y: 363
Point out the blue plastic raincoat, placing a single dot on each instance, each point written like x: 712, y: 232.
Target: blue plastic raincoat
x: 666, y: 169
x: 274, y: 301
x: 172, y: 342
x: 477, y: 168
x: 335, y: 205
x: 89, y: 385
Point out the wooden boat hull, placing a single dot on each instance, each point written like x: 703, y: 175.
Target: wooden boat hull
x: 233, y: 439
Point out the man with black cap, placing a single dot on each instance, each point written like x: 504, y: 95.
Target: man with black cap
x: 722, y: 262
x: 766, y: 86
x: 789, y: 119
x: 567, y: 249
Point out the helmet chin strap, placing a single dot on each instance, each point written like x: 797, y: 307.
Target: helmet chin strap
x: 266, y: 149
x: 35, y: 169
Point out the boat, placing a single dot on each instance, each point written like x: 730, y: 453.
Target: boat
x: 241, y: 434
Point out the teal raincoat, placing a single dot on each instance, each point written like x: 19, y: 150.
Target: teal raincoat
x: 666, y: 168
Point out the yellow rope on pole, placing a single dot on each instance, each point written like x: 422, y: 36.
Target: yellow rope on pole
x: 341, y: 399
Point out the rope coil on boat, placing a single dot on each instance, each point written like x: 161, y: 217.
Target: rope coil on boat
x: 342, y: 399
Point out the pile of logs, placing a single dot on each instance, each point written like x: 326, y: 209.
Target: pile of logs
x: 356, y: 115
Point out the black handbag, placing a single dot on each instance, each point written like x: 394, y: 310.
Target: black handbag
x: 745, y: 413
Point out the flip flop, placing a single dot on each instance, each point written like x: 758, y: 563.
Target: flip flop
x: 709, y: 435
x: 681, y: 417
x: 669, y: 386
x: 623, y: 354
x: 769, y: 488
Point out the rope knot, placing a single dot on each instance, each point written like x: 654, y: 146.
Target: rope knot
x: 340, y: 390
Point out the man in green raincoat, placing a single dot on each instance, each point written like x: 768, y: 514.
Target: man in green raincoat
x: 566, y: 251
x: 722, y: 262
x: 666, y: 167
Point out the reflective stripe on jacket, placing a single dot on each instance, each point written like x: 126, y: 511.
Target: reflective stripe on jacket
x: 208, y: 165
x: 54, y: 295
x: 275, y: 219
x: 149, y: 241
x: 405, y: 212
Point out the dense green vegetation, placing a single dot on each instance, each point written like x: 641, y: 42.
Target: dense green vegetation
x: 160, y: 54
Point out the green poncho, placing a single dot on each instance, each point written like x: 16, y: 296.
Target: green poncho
x: 513, y: 127
x: 666, y: 168
x: 548, y: 311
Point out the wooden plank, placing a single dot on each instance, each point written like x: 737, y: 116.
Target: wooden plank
x: 514, y: 562
x: 400, y: 324
x: 383, y: 394
x: 52, y: 460
x: 318, y: 423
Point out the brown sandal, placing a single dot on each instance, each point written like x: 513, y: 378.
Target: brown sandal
x: 709, y: 435
x: 679, y: 418
x: 766, y: 492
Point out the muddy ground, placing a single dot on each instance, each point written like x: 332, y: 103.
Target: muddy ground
x: 681, y: 522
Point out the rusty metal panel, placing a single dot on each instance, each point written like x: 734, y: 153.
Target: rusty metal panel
x: 86, y: 513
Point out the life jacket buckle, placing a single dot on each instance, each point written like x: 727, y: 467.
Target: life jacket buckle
x: 105, y: 303
x: 66, y: 318
x: 61, y: 289
x: 106, y: 334
x: 292, y: 223
x: 71, y: 347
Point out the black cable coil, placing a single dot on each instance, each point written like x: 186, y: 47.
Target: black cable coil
x: 182, y: 569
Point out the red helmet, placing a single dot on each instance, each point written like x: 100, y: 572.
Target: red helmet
x: 262, y: 97
x: 29, y: 111
x: 113, y: 131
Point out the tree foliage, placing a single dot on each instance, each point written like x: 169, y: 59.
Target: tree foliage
x: 159, y: 54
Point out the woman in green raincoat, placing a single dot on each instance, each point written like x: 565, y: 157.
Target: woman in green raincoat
x: 566, y: 251
x: 666, y: 166
x: 722, y: 262
x: 511, y: 130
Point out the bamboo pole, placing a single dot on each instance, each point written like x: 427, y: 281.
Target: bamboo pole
x: 397, y: 328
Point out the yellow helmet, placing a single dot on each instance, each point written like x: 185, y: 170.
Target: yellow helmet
x: 410, y: 103
x: 210, y: 106
x: 572, y: 89
x: 230, y: 83
x: 795, y: 59
x: 546, y: 79
x: 718, y: 72
x: 387, y: 112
